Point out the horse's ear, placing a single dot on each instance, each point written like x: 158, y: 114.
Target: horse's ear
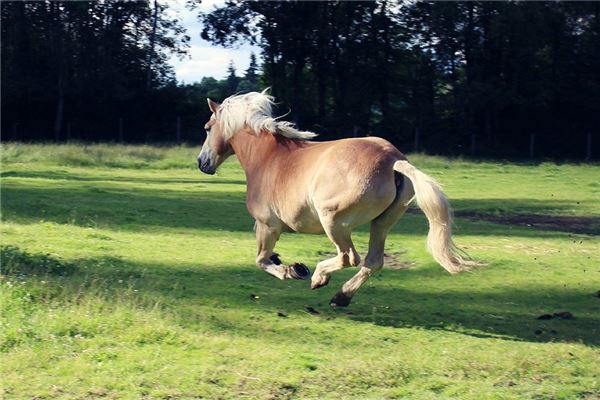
x: 213, y: 105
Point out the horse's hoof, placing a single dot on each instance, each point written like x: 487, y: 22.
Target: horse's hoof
x: 340, y: 300
x: 316, y: 285
x: 298, y: 271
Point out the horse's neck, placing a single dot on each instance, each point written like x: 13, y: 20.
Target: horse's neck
x: 254, y: 151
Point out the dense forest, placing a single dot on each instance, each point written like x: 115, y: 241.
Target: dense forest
x: 509, y: 79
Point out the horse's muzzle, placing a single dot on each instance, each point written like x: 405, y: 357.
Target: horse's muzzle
x: 205, y: 166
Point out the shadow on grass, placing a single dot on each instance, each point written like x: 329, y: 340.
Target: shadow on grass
x: 139, y: 208
x: 134, y: 209
x: 201, y: 297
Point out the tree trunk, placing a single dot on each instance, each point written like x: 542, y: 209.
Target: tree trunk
x: 152, y: 42
x: 322, y: 61
x: 469, y: 69
x: 384, y: 98
x: 58, y: 52
x: 297, y: 88
x: 60, y: 104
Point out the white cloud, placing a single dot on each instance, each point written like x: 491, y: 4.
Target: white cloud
x: 205, y: 59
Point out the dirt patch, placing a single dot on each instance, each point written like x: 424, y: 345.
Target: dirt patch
x: 588, y: 225
x: 563, y: 223
x: 394, y: 261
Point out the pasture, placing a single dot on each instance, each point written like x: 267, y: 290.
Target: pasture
x: 126, y: 273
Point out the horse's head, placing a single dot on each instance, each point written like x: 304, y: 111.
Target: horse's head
x: 216, y: 148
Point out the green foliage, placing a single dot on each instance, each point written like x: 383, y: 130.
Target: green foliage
x: 478, y: 78
x: 71, y: 69
x: 163, y: 298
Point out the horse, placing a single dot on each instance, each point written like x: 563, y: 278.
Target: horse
x: 331, y: 187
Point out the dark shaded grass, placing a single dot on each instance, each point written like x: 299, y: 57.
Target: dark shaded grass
x: 142, y: 208
x: 133, y: 209
x: 14, y: 261
x: 398, y: 299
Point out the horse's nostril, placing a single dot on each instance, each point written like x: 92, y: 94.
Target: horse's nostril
x: 206, y: 167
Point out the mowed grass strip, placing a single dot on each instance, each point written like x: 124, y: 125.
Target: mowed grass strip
x: 126, y: 273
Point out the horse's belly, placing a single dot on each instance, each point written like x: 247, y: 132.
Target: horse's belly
x: 314, y: 228
x: 304, y: 221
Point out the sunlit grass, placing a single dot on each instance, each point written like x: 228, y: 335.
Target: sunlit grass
x: 96, y: 155
x: 128, y: 274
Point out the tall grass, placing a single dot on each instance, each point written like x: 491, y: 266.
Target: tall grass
x: 100, y: 155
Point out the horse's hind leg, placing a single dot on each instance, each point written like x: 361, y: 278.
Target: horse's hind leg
x: 380, y: 227
x: 346, y: 255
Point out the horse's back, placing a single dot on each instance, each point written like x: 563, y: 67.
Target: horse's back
x: 356, y: 161
x: 347, y: 181
x: 354, y: 181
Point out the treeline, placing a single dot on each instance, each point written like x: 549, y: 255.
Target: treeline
x: 482, y: 78
x: 80, y: 69
x: 98, y: 70
x: 489, y: 78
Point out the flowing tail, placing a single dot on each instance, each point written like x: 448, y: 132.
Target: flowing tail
x: 436, y: 207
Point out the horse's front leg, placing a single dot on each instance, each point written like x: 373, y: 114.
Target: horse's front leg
x: 266, y: 237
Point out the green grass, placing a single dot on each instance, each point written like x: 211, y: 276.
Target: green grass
x: 129, y: 274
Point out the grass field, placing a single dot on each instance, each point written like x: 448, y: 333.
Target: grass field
x: 126, y: 274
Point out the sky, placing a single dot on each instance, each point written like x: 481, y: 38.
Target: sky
x: 204, y: 59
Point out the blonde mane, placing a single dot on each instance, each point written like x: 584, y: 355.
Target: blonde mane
x: 255, y: 110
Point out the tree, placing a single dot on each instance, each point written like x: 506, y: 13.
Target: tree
x: 84, y: 63
x: 252, y: 71
x: 232, y: 79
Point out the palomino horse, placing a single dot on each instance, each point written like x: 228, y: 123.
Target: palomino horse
x: 294, y: 184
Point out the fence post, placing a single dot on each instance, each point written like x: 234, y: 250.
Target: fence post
x: 416, y: 145
x: 120, y: 129
x: 178, y: 129
x: 588, y: 149
x: 531, y: 145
